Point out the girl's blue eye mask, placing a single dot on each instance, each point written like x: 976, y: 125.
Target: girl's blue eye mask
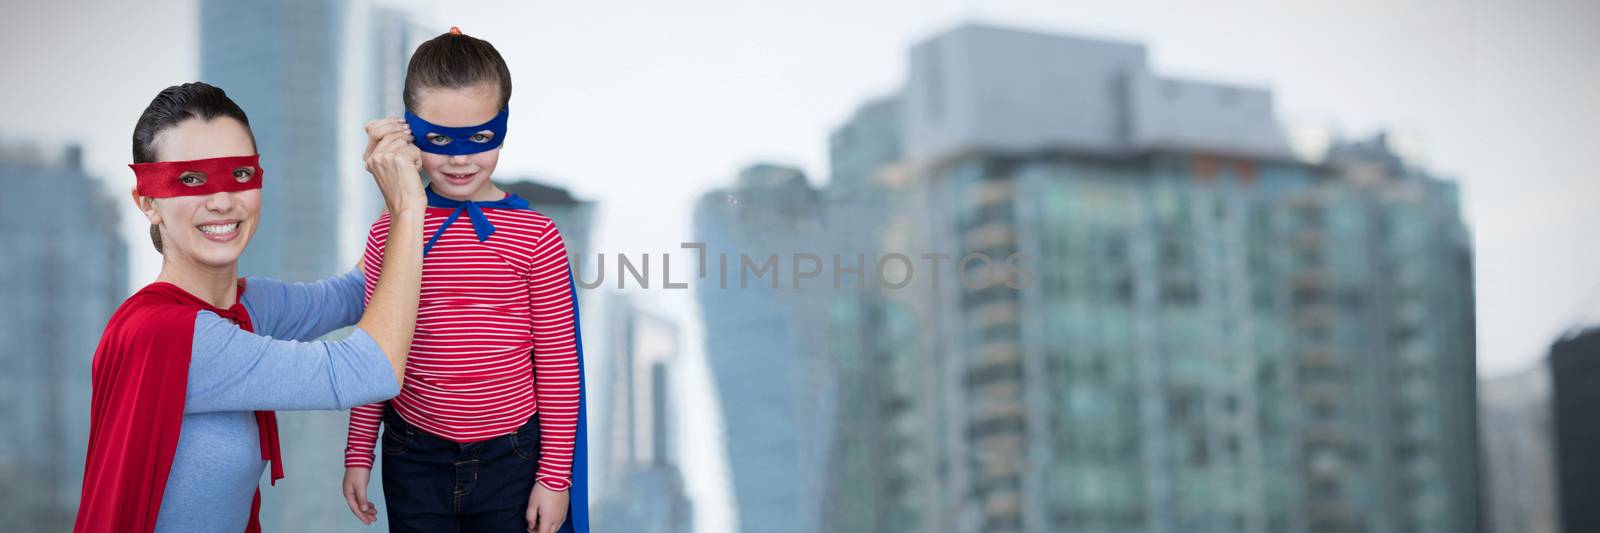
x: 441, y: 140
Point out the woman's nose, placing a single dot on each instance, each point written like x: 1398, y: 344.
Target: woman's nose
x: 219, y: 201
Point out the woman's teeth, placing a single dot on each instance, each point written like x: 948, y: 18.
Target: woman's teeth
x: 219, y: 229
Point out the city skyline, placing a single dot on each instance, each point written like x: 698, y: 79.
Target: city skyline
x: 671, y: 157
x: 56, y: 270
x: 1520, y: 73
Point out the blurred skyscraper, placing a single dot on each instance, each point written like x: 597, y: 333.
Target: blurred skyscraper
x: 65, y: 272
x: 765, y: 345
x: 1575, y: 370
x: 646, y: 492
x: 286, y: 74
x: 393, y: 36
x: 871, y: 334
x: 1519, y: 455
x: 1212, y: 335
x: 379, y: 50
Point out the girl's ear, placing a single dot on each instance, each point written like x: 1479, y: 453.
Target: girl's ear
x: 146, y: 205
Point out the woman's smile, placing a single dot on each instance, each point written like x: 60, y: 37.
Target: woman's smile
x: 220, y: 231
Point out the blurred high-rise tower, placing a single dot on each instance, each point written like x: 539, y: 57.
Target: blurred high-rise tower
x: 378, y: 48
x: 1574, y: 369
x: 1212, y: 336
x: 871, y: 334
x: 766, y: 350
x: 65, y: 272
x: 646, y: 493
x: 285, y: 72
x: 1519, y: 456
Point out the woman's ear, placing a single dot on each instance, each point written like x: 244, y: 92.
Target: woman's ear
x: 146, y: 205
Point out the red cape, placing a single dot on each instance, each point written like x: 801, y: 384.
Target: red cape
x: 140, y: 378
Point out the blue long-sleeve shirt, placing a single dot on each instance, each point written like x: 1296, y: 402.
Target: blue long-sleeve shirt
x: 233, y: 373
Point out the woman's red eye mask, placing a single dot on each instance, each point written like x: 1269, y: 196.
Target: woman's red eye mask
x: 198, y: 177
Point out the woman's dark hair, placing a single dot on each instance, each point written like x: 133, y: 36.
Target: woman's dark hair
x: 455, y: 61
x: 172, y: 106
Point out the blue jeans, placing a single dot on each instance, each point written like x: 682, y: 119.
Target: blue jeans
x: 432, y: 484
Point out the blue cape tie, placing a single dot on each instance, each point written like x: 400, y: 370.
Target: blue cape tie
x: 474, y: 210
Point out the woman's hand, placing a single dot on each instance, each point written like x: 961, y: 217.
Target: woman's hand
x: 394, y: 163
x: 547, y: 509
x: 379, y: 128
x: 355, y: 494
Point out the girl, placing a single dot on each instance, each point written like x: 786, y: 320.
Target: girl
x: 482, y: 436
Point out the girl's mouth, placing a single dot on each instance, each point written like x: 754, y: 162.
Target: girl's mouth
x: 458, y: 179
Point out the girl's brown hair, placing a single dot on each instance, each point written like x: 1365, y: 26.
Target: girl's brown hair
x: 455, y: 61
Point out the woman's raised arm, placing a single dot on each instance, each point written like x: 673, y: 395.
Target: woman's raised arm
x: 391, y: 316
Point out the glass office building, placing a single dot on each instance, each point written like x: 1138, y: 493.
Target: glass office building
x: 65, y: 273
x: 1209, y: 333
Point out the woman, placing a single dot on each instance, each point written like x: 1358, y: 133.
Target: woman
x: 212, y: 355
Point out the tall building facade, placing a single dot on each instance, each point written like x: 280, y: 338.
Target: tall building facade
x: 1201, y: 332
x: 1519, y: 461
x: 871, y: 484
x: 378, y: 47
x: 1574, y: 367
x: 767, y: 356
x: 286, y: 74
x: 646, y: 491
x: 65, y: 273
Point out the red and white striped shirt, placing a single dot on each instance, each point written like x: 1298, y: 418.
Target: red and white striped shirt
x: 484, y: 307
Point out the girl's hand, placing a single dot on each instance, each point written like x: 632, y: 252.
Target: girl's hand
x: 355, y: 494
x: 547, y: 509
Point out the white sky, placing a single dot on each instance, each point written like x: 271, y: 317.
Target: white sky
x: 645, y: 106
x: 642, y: 106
